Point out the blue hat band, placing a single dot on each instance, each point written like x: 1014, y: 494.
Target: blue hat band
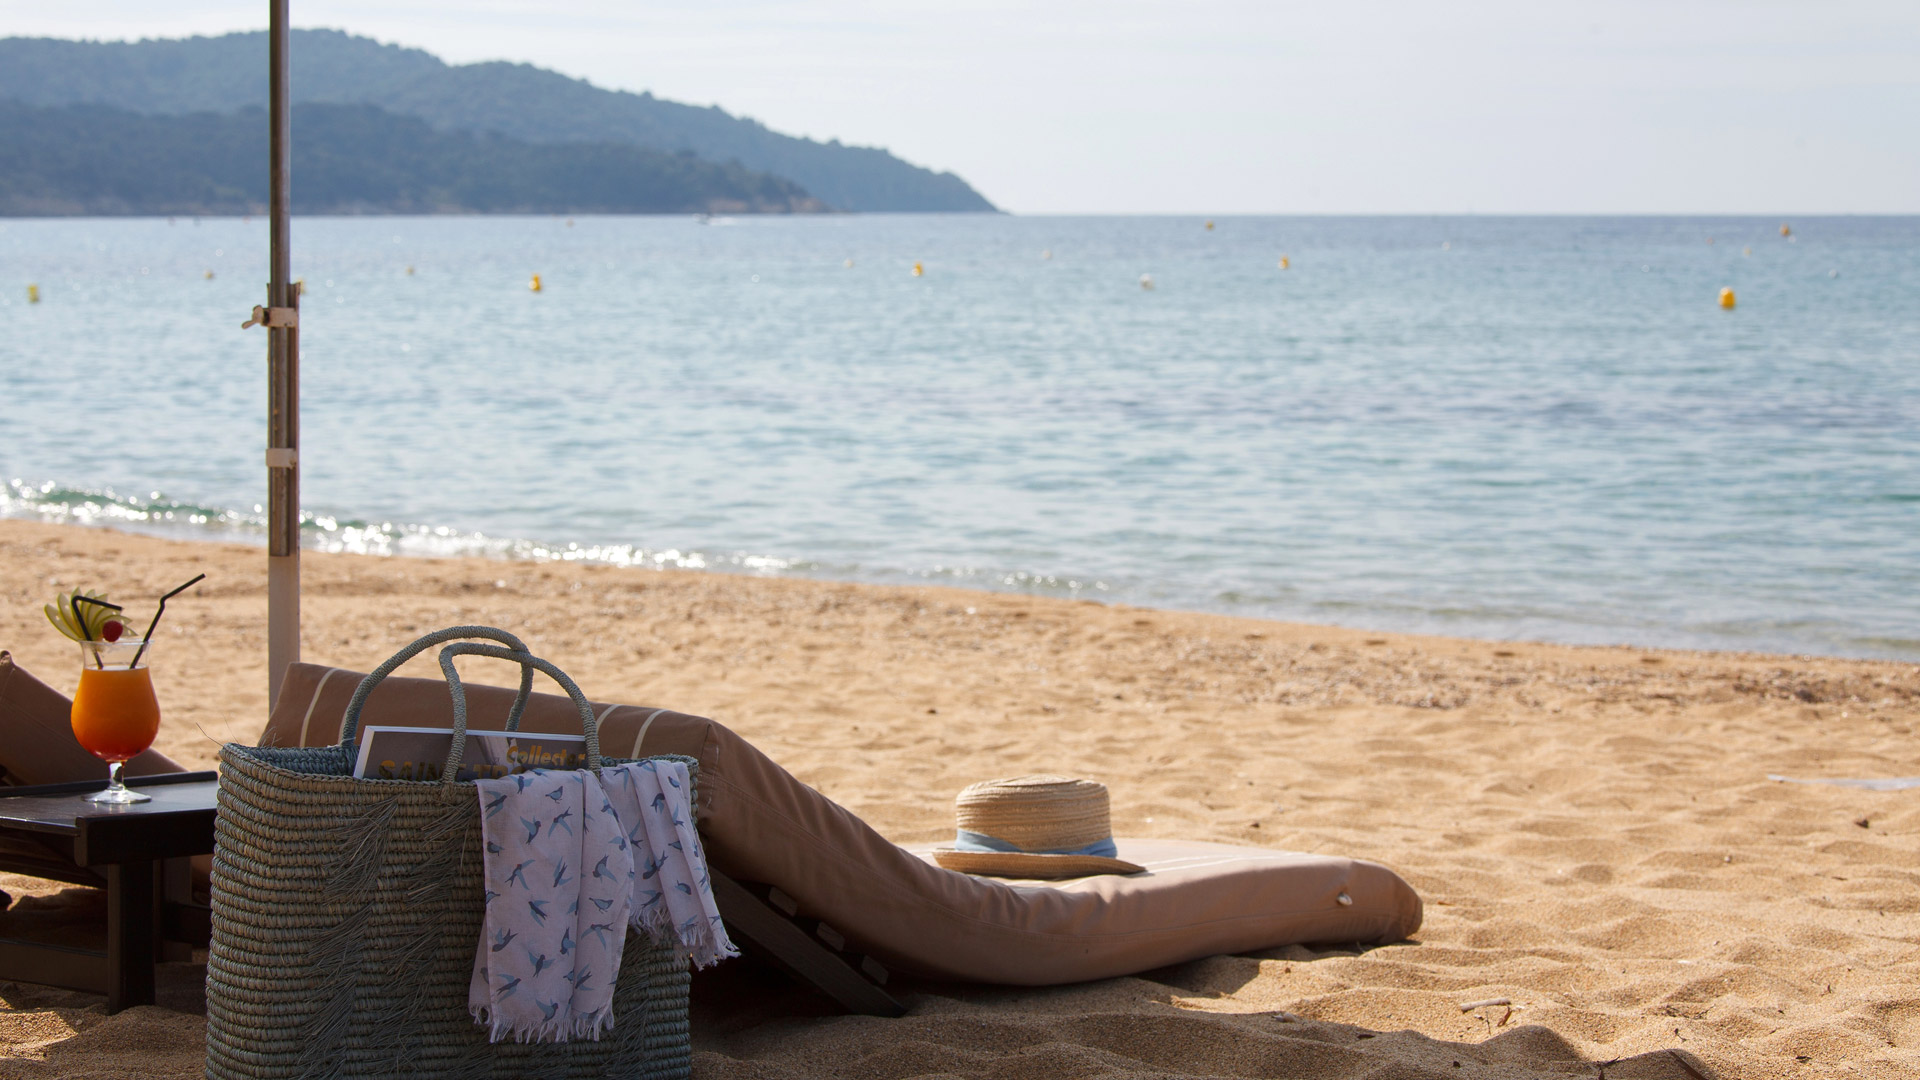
x: 973, y: 841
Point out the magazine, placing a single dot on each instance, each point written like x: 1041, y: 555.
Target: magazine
x: 411, y: 753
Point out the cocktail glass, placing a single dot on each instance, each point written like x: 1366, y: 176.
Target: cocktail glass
x: 115, y: 715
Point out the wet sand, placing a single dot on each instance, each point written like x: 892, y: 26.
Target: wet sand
x: 1592, y: 829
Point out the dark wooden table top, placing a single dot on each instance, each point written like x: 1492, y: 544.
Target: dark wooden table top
x: 178, y: 821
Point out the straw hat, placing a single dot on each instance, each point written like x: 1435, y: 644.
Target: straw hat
x: 1033, y: 827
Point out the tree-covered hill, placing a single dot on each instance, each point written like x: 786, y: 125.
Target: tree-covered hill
x: 223, y: 74
x: 92, y: 159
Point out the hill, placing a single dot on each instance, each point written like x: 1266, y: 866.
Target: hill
x: 92, y: 159
x: 519, y: 101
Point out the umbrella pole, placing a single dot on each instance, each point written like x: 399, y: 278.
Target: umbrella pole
x: 283, y: 375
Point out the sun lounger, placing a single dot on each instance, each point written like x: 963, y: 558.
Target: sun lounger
x: 820, y: 864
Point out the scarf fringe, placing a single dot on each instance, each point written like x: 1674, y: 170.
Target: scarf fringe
x: 586, y: 1026
x: 699, y: 945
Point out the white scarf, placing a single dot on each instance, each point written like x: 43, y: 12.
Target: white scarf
x: 572, y: 859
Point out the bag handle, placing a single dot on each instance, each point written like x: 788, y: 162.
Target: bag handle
x: 527, y: 661
x: 350, y: 724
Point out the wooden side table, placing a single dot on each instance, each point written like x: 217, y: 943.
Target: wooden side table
x: 51, y: 831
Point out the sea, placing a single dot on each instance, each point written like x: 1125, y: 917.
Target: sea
x: 1525, y: 428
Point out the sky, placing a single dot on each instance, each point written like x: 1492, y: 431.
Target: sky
x: 1224, y: 106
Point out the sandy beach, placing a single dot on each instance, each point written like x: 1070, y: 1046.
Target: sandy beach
x: 1593, y: 829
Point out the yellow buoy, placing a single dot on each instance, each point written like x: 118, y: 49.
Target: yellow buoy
x: 1209, y: 226
x: 1285, y: 262
x: 1746, y: 252
x: 209, y: 275
x: 534, y: 285
x: 1046, y: 253
x: 1784, y: 231
x: 1146, y: 281
x: 1726, y: 299
x: 917, y: 271
x: 849, y: 264
x: 33, y: 294
x: 409, y: 271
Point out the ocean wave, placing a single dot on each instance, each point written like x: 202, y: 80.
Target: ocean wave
x: 158, y: 514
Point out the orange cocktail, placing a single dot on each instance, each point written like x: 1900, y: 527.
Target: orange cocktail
x: 115, y: 715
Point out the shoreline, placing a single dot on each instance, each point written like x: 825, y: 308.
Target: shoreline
x: 356, y: 538
x: 1592, y: 828
x: 1604, y: 665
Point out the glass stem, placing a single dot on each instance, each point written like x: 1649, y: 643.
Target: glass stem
x: 113, y: 777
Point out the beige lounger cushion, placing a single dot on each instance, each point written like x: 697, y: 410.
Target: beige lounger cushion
x: 760, y: 824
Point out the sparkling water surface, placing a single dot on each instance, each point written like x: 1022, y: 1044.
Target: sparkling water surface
x: 1521, y: 428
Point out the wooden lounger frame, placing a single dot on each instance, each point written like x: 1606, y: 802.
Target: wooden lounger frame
x: 767, y: 921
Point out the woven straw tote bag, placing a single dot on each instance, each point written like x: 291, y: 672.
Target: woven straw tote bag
x: 346, y: 913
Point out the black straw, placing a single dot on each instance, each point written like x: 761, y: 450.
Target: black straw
x: 147, y: 638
